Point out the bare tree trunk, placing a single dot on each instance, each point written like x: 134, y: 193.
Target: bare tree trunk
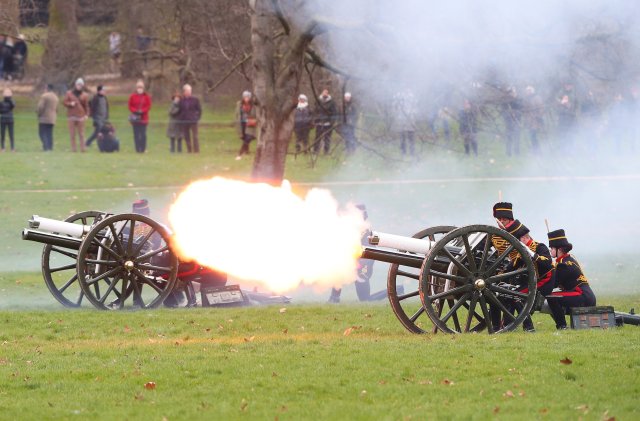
x: 9, y: 17
x: 277, y: 65
x: 62, y: 59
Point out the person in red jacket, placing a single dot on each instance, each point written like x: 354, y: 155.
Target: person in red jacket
x: 139, y: 106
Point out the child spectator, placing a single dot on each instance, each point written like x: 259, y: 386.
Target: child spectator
x: 107, y: 141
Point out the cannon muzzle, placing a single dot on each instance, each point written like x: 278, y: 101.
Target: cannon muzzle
x: 52, y: 239
x: 398, y: 242
x: 58, y: 227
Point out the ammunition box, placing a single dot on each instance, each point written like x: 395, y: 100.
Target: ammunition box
x: 592, y: 317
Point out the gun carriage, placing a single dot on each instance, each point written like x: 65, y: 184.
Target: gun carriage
x: 125, y: 261
x: 455, y: 280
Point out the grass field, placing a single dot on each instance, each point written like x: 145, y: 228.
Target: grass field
x: 351, y: 361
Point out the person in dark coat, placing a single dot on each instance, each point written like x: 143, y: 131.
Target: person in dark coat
x: 574, y: 286
x: 544, y: 267
x: 363, y: 274
x: 512, y: 116
x: 5, y: 58
x: 325, y: 117
x: 303, y: 120
x: 468, y: 124
x: 174, y: 129
x: 139, y: 106
x: 190, y: 113
x: 348, y: 123
x: 405, y: 109
x: 107, y: 141
x: 6, y: 117
x: 99, y: 112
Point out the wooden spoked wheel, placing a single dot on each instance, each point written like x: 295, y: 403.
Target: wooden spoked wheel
x: 126, y: 261
x: 59, y: 266
x: 403, y: 288
x: 479, y: 292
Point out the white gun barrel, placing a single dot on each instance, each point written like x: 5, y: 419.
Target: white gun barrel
x: 398, y: 242
x: 60, y: 227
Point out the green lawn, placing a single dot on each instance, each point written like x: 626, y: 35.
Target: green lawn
x: 260, y: 363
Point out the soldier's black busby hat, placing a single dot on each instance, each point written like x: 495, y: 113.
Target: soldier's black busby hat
x: 558, y: 239
x: 141, y: 207
x: 517, y: 229
x: 503, y: 210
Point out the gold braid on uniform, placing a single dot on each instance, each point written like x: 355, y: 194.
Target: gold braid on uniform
x: 501, y: 245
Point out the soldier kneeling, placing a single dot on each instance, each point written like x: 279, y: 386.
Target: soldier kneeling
x: 574, y: 286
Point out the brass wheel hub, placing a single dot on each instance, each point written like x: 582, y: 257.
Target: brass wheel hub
x: 480, y: 284
x: 129, y: 265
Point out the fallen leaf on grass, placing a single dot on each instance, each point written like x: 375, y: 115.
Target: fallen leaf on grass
x: 249, y: 339
x: 274, y: 374
x: 508, y: 394
x: 496, y: 410
x: 348, y: 331
x: 544, y: 410
x: 382, y: 382
x: 150, y: 385
x: 367, y: 316
x: 285, y: 331
x: 425, y: 382
x: 243, y: 405
x: 139, y: 397
x: 283, y: 310
x: 566, y: 361
x: 363, y: 393
x: 521, y: 393
x: 583, y: 408
x: 447, y: 382
x: 127, y: 329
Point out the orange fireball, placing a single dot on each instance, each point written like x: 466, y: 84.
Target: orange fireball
x: 265, y: 234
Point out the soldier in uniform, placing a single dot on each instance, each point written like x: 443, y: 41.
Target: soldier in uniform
x: 503, y: 213
x: 541, y: 258
x: 574, y: 286
x: 364, y: 272
x: 543, y: 264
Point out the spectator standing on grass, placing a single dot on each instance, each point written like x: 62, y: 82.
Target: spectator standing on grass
x: 77, y: 103
x: 303, y: 120
x: 5, y: 57
x: 6, y: 117
x: 190, y: 113
x: 533, y: 116
x: 404, y: 108
x: 246, y: 117
x: 139, y: 107
x: 99, y: 107
x: 349, y: 122
x: 143, y: 43
x: 174, y: 130
x: 47, y: 115
x: 512, y: 116
x: 325, y: 117
x: 114, y: 51
x: 468, y: 124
